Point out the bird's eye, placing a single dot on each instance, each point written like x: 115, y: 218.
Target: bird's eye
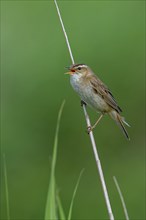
x: 79, y: 68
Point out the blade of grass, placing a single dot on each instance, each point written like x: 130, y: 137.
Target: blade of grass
x: 50, y: 210
x: 6, y: 187
x: 73, y: 197
x: 60, y: 208
x: 121, y: 198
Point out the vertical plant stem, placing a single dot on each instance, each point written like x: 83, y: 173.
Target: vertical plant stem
x: 108, y: 205
x: 99, y: 167
x: 65, y: 34
x: 121, y: 198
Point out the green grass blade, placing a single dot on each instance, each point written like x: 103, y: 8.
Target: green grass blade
x: 6, y: 188
x: 74, y: 194
x: 121, y: 198
x: 60, y: 209
x: 50, y: 210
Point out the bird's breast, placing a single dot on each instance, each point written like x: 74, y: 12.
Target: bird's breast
x: 87, y: 94
x: 76, y: 83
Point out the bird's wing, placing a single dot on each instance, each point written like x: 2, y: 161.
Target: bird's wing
x: 101, y: 89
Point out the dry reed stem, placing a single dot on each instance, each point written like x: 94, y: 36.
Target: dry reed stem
x: 105, y: 192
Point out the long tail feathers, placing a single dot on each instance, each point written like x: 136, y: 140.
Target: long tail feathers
x: 120, y: 122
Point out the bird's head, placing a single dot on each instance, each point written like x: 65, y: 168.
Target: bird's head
x: 79, y: 69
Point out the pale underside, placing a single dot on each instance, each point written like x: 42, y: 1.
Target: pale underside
x: 94, y: 93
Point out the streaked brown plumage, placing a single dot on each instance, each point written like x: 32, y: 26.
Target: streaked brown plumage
x: 95, y: 93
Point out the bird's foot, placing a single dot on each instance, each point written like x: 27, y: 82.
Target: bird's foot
x: 89, y: 129
x: 82, y: 103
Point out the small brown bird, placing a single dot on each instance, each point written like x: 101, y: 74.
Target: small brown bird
x: 96, y: 94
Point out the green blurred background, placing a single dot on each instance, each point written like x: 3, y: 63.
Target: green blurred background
x: 109, y: 36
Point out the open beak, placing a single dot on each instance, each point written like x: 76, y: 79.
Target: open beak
x: 71, y: 71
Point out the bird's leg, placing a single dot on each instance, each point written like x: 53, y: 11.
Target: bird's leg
x: 90, y: 128
x: 82, y: 103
